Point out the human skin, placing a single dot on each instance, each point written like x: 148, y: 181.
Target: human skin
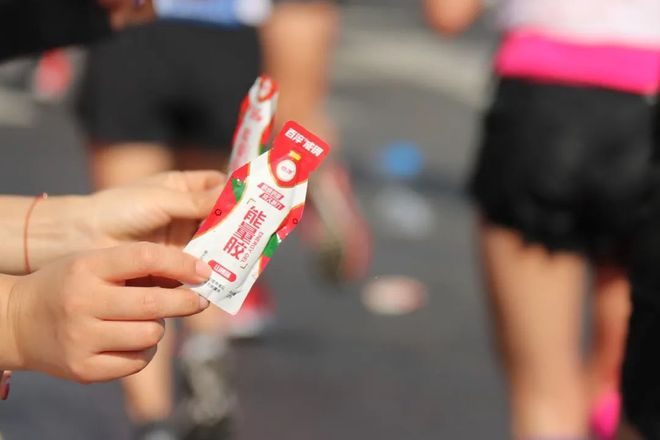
x: 164, y: 209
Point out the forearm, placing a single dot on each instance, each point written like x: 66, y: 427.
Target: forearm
x: 452, y: 16
x: 56, y: 227
x: 10, y: 358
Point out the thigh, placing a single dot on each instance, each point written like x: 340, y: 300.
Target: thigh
x: 536, y: 297
x: 536, y: 301
x: 298, y: 43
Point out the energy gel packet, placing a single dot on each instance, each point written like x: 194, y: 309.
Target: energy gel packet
x: 255, y: 122
x: 261, y: 204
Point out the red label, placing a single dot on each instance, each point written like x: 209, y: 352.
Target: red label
x: 222, y: 271
x: 241, y: 244
x: 271, y: 196
x: 306, y: 150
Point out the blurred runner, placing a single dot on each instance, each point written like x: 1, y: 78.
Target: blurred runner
x: 161, y: 96
x: 53, y: 76
x: 298, y: 44
x: 559, y: 180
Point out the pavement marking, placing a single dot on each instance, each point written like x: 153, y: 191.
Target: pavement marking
x: 17, y: 109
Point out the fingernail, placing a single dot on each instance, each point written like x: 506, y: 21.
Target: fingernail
x: 203, y: 302
x: 203, y: 270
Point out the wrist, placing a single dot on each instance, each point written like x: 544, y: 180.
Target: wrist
x: 10, y: 353
x: 58, y: 227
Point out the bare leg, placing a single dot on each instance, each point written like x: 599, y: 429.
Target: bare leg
x: 611, y: 305
x: 148, y: 394
x: 114, y: 165
x: 536, y: 298
x: 298, y: 41
x: 611, y: 312
x: 298, y: 44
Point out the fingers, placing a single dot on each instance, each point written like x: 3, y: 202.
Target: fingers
x: 190, y: 181
x: 138, y: 260
x: 190, y: 205
x: 188, y: 194
x: 111, y: 365
x: 148, y: 303
x: 203, y: 180
x: 113, y: 336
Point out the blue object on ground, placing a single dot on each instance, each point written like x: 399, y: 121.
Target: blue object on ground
x: 402, y: 160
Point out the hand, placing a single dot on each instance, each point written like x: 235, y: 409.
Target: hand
x: 166, y: 208
x: 78, y: 319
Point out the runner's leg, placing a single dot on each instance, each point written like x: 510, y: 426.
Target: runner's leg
x: 536, y: 297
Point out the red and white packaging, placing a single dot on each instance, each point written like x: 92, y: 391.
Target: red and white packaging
x: 255, y: 122
x: 262, y: 202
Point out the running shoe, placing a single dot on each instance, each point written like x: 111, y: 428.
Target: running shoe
x: 336, y: 228
x: 209, y: 402
x: 605, y: 415
x: 155, y: 431
x: 53, y: 76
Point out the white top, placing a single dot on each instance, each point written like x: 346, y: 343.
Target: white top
x: 635, y: 22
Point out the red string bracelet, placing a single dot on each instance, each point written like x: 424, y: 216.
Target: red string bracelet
x: 26, y: 257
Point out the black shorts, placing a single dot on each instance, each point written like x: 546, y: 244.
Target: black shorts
x: 641, y: 369
x: 170, y: 82
x: 564, y: 166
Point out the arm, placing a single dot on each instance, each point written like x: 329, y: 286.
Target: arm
x: 9, y: 357
x: 452, y: 16
x: 95, y: 316
x: 56, y: 228
x: 166, y: 209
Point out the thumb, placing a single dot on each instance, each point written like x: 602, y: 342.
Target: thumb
x: 190, y: 205
x: 203, y: 180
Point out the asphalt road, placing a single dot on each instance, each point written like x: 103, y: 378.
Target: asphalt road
x: 330, y: 369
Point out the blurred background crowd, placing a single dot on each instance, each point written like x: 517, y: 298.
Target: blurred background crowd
x: 369, y: 324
